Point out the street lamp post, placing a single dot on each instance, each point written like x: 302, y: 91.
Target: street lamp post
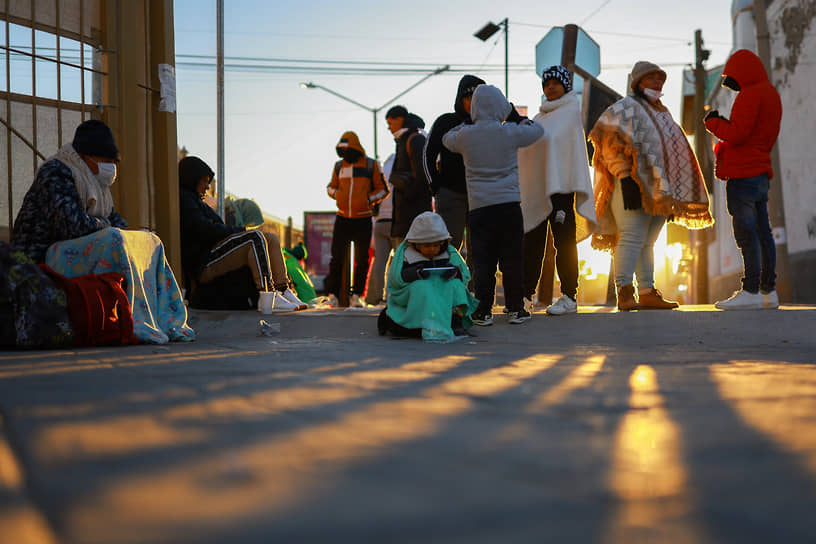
x: 375, y: 111
x: 486, y: 32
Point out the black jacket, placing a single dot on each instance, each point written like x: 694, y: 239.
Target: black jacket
x: 201, y: 229
x: 412, y: 195
x: 451, y: 171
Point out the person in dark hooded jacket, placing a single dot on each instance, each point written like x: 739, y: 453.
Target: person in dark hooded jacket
x: 215, y: 256
x: 743, y: 157
x: 412, y: 195
x: 445, y: 169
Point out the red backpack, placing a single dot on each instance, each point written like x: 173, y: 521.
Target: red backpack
x: 98, y: 307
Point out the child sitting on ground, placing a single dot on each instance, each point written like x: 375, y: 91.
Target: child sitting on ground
x: 426, y: 293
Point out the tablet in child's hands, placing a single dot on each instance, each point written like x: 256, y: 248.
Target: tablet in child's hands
x: 439, y: 270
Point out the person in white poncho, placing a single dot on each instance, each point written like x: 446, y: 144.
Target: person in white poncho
x: 556, y: 191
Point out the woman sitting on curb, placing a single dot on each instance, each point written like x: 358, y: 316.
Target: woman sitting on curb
x: 69, y: 222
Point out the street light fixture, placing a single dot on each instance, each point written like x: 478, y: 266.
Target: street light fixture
x: 374, y: 111
x: 486, y: 32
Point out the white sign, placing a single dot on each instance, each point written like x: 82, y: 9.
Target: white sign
x: 167, y: 79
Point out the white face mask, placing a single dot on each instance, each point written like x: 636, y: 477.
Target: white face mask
x: 107, y: 173
x: 652, y: 95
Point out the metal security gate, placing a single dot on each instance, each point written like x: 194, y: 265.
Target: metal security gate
x: 65, y: 61
x: 51, y: 82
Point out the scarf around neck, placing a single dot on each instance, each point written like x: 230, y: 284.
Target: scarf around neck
x: 551, y: 105
x: 96, y: 199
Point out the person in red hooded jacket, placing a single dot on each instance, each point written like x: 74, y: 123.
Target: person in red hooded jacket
x: 743, y: 159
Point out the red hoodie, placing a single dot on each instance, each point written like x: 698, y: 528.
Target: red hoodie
x: 746, y: 139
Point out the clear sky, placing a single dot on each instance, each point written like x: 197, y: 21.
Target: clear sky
x: 280, y: 137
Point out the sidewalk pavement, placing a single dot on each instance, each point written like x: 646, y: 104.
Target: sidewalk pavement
x: 677, y: 426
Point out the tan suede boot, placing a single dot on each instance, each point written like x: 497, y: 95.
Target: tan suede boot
x: 651, y: 299
x: 626, y: 298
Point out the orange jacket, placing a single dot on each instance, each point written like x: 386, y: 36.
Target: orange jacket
x: 746, y: 139
x: 359, y: 186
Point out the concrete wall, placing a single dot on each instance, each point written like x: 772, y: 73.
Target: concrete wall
x: 793, y: 53
x: 792, y: 24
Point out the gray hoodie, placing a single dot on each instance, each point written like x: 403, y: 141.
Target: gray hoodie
x: 489, y: 148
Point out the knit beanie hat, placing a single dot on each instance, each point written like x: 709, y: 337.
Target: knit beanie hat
x: 427, y: 227
x: 560, y: 74
x: 640, y: 69
x: 94, y: 138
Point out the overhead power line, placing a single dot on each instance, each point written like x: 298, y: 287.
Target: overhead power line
x: 339, y: 67
x: 312, y: 61
x: 424, y: 65
x: 591, y: 15
x: 688, y: 41
x: 333, y: 66
x: 342, y: 70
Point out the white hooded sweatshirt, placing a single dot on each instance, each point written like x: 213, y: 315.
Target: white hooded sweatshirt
x: 489, y: 148
x: 557, y: 163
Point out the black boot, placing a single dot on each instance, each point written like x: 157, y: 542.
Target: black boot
x: 382, y: 323
x: 457, y: 325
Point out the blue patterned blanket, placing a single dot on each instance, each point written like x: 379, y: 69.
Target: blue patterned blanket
x: 159, y: 314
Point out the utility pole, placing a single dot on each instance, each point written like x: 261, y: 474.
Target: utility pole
x: 700, y: 149
x: 506, y: 24
x: 776, y: 207
x: 219, y: 94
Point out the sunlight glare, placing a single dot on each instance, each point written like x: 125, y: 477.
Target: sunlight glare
x: 648, y: 475
x: 577, y: 379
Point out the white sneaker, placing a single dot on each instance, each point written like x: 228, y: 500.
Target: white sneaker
x: 280, y: 303
x: 741, y: 300
x: 770, y: 300
x: 564, y: 305
x: 355, y: 302
x: 320, y: 303
x: 332, y: 301
x: 292, y: 297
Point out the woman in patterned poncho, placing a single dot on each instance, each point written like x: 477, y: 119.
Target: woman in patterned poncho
x: 645, y: 172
